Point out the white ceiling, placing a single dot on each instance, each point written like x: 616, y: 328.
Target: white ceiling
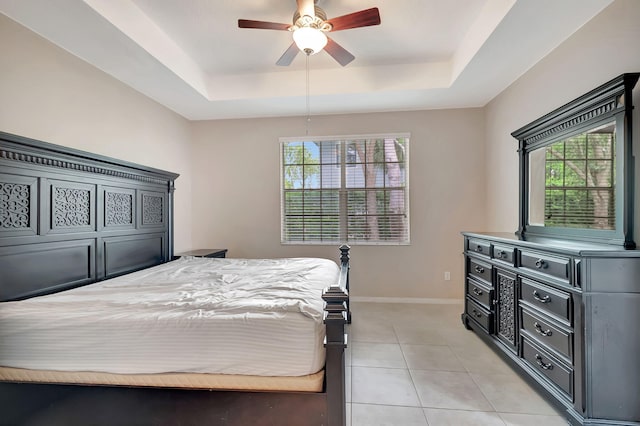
x: 190, y: 55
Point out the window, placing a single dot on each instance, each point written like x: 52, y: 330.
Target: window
x: 351, y: 189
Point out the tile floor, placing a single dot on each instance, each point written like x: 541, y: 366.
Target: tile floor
x: 415, y: 364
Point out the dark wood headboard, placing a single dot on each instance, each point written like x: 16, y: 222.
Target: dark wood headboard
x: 70, y: 218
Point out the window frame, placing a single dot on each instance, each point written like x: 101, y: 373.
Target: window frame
x: 344, y: 188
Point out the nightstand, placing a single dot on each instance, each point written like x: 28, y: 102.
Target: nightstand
x: 204, y: 253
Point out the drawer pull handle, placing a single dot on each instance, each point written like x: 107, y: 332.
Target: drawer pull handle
x: 479, y: 249
x: 540, y: 263
x: 539, y: 330
x: 477, y: 292
x: 542, y: 364
x: 500, y: 254
x: 479, y: 269
x: 477, y: 314
x: 545, y: 299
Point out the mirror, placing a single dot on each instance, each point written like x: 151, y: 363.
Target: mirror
x: 576, y: 168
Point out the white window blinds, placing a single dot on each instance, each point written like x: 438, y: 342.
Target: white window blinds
x: 352, y: 189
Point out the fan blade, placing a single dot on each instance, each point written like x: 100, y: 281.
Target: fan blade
x: 262, y: 25
x: 288, y: 56
x: 364, y: 18
x: 306, y: 7
x: 338, y: 52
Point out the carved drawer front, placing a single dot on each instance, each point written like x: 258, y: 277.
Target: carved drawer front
x: 480, y: 270
x: 506, y: 322
x: 480, y: 315
x: 503, y: 253
x: 479, y: 292
x: 552, y: 368
x: 547, y: 299
x: 480, y: 247
x: 555, y: 266
x: 548, y: 334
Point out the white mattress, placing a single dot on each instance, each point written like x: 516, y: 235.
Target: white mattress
x: 196, y: 315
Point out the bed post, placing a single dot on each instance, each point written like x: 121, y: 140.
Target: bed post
x: 344, y: 264
x: 336, y: 309
x: 170, y: 237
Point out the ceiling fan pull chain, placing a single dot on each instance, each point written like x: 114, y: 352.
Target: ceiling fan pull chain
x: 308, y: 107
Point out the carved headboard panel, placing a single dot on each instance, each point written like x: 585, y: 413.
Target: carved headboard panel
x: 69, y: 218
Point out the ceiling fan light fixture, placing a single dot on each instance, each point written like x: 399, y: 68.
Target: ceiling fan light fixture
x: 309, y: 40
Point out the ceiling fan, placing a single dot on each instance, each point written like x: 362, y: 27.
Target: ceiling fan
x: 309, y: 28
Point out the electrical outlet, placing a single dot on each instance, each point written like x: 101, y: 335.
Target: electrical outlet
x: 447, y: 276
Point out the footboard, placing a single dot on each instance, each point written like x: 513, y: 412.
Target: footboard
x: 337, y: 314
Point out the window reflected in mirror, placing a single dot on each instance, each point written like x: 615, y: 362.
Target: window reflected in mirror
x: 572, y: 181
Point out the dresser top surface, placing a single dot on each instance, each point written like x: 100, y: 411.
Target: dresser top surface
x: 578, y: 248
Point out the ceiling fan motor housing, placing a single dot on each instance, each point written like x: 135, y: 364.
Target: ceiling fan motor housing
x: 318, y: 22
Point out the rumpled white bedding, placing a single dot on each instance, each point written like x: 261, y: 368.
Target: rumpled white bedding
x: 230, y: 316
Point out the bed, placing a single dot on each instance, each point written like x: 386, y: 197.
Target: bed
x: 99, y: 325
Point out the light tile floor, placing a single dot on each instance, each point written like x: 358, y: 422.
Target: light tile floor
x: 415, y: 364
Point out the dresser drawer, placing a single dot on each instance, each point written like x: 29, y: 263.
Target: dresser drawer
x: 479, y: 292
x: 479, y: 270
x: 542, y: 263
x: 548, y: 333
x: 480, y: 247
x: 480, y: 315
x: 547, y: 299
x: 503, y: 253
x: 549, y: 366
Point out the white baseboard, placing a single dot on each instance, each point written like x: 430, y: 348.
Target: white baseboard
x: 405, y: 300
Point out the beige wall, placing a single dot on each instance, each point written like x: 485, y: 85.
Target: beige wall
x: 604, y: 48
x: 236, y: 179
x: 50, y: 95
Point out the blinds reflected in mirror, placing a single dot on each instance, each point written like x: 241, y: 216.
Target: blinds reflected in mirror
x: 572, y: 181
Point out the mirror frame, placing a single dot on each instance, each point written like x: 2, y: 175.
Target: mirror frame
x: 611, y: 102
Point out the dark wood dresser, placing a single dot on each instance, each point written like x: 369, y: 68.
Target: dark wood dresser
x: 566, y: 316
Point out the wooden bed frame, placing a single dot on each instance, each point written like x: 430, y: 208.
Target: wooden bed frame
x: 70, y: 218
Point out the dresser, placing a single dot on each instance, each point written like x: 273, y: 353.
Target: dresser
x: 566, y: 315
